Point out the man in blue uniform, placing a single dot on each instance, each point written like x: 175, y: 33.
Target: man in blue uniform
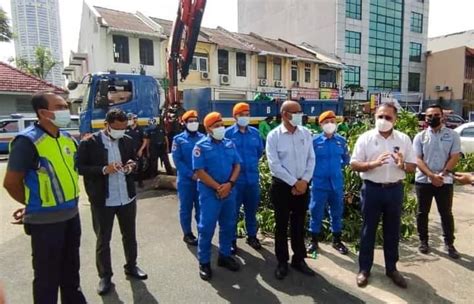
x: 249, y: 144
x: 217, y: 165
x: 182, y: 150
x: 328, y: 182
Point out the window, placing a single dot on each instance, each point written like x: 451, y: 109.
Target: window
x: 294, y: 71
x: 352, y: 75
x: 468, y: 132
x: 121, y: 52
x: 241, y: 62
x: 276, y: 68
x: 223, y: 62
x: 262, y: 67
x: 413, y: 82
x: 416, y: 24
x: 9, y: 126
x: 199, y: 62
x: 352, y: 42
x: 307, y: 72
x: 354, y: 9
x: 415, y: 52
x: 119, y: 91
x: 146, y: 52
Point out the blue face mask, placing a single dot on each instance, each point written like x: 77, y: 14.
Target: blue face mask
x: 61, y: 118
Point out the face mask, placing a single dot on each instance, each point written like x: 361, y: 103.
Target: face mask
x: 434, y: 122
x: 61, y: 118
x: 116, y: 134
x: 130, y: 123
x: 243, y: 121
x: 383, y: 125
x: 329, y: 128
x: 296, y: 119
x: 192, y: 126
x: 218, y: 133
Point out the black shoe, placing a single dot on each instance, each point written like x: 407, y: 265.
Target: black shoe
x: 424, y: 247
x: 136, y: 273
x: 303, y: 268
x: 190, y: 239
x: 233, y: 248
x: 362, y: 278
x: 397, y: 278
x: 340, y: 247
x: 312, y: 248
x: 452, y: 252
x: 254, y: 243
x: 228, y: 262
x: 205, y: 271
x: 281, y: 271
x: 105, y: 284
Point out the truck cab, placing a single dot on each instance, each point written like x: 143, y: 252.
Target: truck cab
x: 133, y: 93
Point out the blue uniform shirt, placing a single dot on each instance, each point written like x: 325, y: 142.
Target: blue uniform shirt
x: 217, y: 158
x: 331, y: 157
x: 435, y: 150
x: 250, y: 148
x: 182, y: 152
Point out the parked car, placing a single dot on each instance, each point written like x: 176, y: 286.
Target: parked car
x: 9, y: 128
x: 451, y: 120
x: 466, y: 131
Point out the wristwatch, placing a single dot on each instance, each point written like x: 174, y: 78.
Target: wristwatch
x: 232, y: 183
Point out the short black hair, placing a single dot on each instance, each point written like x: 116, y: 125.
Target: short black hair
x: 114, y: 115
x: 39, y: 101
x: 389, y: 104
x: 435, y: 106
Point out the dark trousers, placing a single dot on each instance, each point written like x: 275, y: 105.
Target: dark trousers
x: 376, y: 202
x: 55, y: 251
x: 103, y: 221
x: 444, y: 200
x: 161, y: 154
x: 289, y: 207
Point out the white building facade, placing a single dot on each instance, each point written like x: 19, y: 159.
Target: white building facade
x: 36, y: 23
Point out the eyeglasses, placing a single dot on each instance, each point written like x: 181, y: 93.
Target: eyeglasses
x: 433, y: 115
x: 386, y: 117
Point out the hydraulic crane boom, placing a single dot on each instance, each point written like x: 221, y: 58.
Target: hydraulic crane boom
x: 185, y: 33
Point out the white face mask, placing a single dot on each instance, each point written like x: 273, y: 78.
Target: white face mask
x: 192, y: 126
x: 383, y: 125
x: 329, y: 128
x: 130, y: 123
x: 296, y: 119
x: 243, y: 121
x: 218, y: 133
x: 116, y: 134
x: 61, y: 118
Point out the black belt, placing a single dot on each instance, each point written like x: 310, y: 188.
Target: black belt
x: 383, y: 185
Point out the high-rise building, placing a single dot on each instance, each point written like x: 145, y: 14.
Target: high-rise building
x: 382, y: 42
x: 36, y: 23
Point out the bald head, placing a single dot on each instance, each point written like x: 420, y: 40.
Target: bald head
x: 290, y: 106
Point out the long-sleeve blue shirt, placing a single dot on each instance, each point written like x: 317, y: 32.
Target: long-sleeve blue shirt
x: 182, y: 152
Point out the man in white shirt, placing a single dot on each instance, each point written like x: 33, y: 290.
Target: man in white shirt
x: 291, y: 160
x: 382, y: 156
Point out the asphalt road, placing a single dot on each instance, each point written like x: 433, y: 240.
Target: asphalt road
x: 173, y: 269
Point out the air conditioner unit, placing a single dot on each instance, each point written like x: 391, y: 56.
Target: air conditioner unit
x: 205, y: 75
x: 262, y: 82
x: 330, y: 85
x: 225, y: 80
x: 438, y: 88
x: 323, y: 84
x: 278, y: 83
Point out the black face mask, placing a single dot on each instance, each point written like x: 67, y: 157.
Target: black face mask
x: 434, y: 122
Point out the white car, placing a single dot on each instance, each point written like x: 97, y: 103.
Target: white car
x: 466, y: 131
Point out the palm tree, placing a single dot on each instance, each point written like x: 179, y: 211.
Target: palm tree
x: 42, y: 65
x: 5, y: 31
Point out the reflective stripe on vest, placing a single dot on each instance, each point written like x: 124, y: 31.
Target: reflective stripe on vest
x: 54, y: 184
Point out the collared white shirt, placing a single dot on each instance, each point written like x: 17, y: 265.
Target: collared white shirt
x: 290, y: 155
x: 371, y: 145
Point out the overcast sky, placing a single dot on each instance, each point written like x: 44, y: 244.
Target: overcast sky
x: 446, y: 16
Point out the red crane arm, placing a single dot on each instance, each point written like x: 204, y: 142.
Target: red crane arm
x: 188, y: 22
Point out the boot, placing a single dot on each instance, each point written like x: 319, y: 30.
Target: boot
x: 337, y: 243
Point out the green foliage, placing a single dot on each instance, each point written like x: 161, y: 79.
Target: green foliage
x: 5, y: 31
x: 352, y: 223
x: 42, y: 65
x: 466, y: 163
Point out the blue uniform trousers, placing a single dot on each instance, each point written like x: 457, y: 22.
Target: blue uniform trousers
x: 212, y: 211
x: 249, y: 196
x: 319, y: 200
x: 188, y: 196
x: 376, y: 202
x: 55, y: 251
